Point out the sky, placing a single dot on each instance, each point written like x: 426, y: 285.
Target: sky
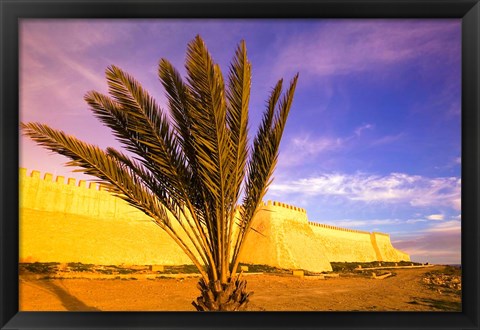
x: 373, y: 138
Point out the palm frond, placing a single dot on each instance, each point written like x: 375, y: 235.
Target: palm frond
x: 180, y: 105
x: 125, y: 126
x: 94, y: 161
x: 238, y: 97
x: 208, y: 117
x: 211, y: 138
x: 148, y: 122
x: 263, y: 159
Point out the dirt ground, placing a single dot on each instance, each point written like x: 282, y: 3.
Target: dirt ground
x: 406, y: 291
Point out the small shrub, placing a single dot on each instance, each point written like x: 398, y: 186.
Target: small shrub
x: 40, y: 267
x: 80, y: 267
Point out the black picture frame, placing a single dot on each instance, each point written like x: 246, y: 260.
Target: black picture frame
x: 13, y: 10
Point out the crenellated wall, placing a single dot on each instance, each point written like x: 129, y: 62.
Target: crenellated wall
x: 283, y: 238
x: 345, y: 245
x: 68, y: 221
x: 62, y: 221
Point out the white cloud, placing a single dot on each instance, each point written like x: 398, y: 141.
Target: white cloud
x: 435, y: 217
x: 304, y: 147
x: 410, y: 221
x: 359, y: 130
x: 393, y: 188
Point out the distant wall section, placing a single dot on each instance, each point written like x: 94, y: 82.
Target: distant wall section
x: 345, y: 245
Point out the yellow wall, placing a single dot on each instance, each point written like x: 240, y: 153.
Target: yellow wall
x: 66, y: 221
x: 345, y: 245
x: 283, y: 238
x: 386, y: 249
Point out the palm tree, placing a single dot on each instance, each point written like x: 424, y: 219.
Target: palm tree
x: 193, y: 172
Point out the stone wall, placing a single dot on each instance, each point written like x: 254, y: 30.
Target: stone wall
x: 283, y: 238
x: 344, y: 245
x: 386, y: 250
x: 68, y: 221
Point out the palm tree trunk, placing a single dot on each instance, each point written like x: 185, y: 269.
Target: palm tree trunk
x: 217, y: 296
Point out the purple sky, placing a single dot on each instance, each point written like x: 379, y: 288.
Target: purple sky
x: 373, y: 138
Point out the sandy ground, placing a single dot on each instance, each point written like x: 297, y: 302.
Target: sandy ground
x: 403, y: 292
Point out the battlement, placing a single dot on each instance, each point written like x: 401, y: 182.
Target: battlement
x: 285, y: 206
x: 316, y: 224
x: 378, y: 233
x: 60, y: 179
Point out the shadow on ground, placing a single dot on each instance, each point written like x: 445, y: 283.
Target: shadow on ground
x: 69, y: 301
x: 443, y: 305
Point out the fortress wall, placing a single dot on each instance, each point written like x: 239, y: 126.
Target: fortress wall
x: 386, y: 249
x: 345, y: 245
x: 281, y: 211
x: 45, y: 193
x: 63, y: 222
x: 402, y: 256
x: 282, y: 238
x: 62, y: 237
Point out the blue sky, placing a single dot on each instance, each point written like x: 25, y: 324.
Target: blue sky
x: 373, y: 138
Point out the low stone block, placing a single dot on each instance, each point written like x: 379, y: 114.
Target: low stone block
x: 157, y: 268
x: 63, y: 267
x: 298, y: 273
x: 381, y: 277
x: 315, y: 277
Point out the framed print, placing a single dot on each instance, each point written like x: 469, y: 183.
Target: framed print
x: 279, y: 164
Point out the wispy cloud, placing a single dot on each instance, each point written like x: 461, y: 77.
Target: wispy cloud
x: 411, y: 221
x: 387, y: 139
x: 304, y: 147
x: 361, y: 45
x: 393, y: 188
x: 452, y: 226
x: 438, y: 243
x: 54, y: 69
x: 435, y: 217
x: 358, y: 131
